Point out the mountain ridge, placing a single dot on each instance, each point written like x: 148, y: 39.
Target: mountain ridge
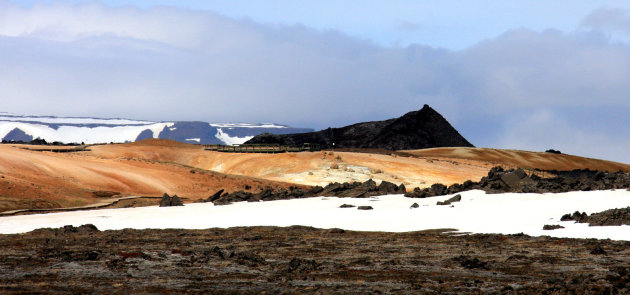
x: 103, y: 130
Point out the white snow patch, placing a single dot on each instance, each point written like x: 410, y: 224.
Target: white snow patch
x: 477, y: 213
x: 69, y: 134
x: 246, y: 125
x: 193, y: 139
x: 230, y: 140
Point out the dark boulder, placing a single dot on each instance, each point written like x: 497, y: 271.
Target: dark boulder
x: 552, y: 226
x: 387, y: 187
x: 454, y: 199
x: 168, y: 201
x: 365, y: 208
x: 176, y: 201
x: 598, y: 250
x: 215, y: 196
x: 438, y: 189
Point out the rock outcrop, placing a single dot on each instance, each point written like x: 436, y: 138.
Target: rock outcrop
x: 605, y: 218
x: 343, y: 190
x: 420, y: 129
x: 517, y: 181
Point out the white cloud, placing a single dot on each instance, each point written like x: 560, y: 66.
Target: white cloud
x: 175, y: 64
x: 608, y: 19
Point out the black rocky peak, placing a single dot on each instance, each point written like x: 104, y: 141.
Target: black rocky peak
x: 424, y: 128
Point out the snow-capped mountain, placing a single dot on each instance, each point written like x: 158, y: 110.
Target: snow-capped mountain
x: 98, y: 130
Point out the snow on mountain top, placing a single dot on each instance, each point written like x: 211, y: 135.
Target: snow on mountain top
x: 231, y: 140
x: 74, y: 134
x: 246, y: 125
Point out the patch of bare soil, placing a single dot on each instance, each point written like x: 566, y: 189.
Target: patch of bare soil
x: 292, y: 260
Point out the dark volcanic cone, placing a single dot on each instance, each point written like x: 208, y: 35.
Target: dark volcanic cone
x: 421, y: 129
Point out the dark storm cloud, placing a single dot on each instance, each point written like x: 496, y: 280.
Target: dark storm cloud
x: 523, y: 89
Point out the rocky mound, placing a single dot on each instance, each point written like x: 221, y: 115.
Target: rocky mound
x: 604, y: 218
x: 517, y: 181
x: 425, y: 128
x: 347, y: 190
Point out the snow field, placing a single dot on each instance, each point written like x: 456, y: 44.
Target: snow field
x: 508, y: 213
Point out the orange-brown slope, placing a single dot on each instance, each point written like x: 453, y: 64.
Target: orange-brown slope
x: 30, y: 179
x: 524, y: 159
x: 309, y: 168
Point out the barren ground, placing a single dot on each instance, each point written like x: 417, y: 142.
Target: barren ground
x: 293, y: 260
x: 36, y: 179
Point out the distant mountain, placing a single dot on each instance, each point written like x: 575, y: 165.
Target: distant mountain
x: 420, y: 129
x: 98, y: 130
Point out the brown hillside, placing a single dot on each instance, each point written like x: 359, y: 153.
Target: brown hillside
x: 31, y: 179
x: 524, y: 159
x: 35, y: 179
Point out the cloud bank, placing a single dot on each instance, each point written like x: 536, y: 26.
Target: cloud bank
x: 524, y: 89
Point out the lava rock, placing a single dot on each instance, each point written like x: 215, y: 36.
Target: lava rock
x: 168, y: 201
x: 598, y: 250
x: 552, y: 226
x: 454, y: 199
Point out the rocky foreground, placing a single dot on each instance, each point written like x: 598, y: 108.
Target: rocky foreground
x: 272, y: 260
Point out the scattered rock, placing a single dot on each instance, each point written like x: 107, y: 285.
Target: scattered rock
x: 347, y: 206
x: 343, y: 190
x: 337, y: 231
x: 168, y: 201
x: 605, y: 218
x: 454, y: 199
x: 387, y: 187
x: 365, y: 208
x: 298, y: 265
x: 414, y: 205
x: 248, y: 258
x: 86, y: 228
x: 552, y: 226
x: 576, y: 216
x: 471, y: 263
x: 215, y: 197
x: 552, y: 151
x: 176, y: 201
x: 598, y: 250
x: 499, y: 180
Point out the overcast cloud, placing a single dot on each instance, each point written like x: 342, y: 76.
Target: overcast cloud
x: 524, y: 89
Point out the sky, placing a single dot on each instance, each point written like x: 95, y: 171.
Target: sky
x: 530, y: 75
